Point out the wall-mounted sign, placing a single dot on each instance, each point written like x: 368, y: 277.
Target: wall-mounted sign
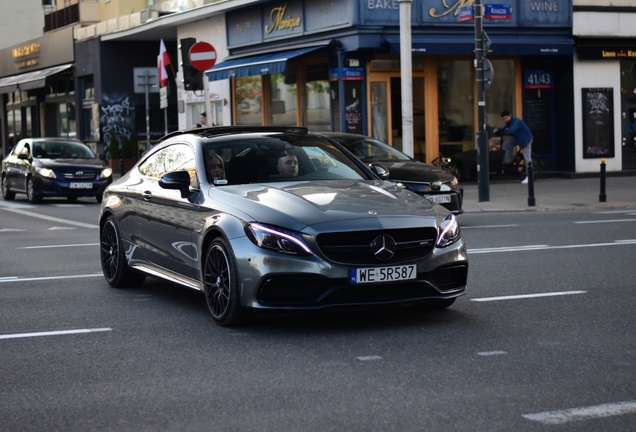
x: 538, y: 79
x: 466, y: 13
x: 498, y: 12
x: 348, y: 74
x: 607, y: 52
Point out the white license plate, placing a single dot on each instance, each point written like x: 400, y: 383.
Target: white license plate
x: 383, y: 274
x: 438, y: 198
x: 80, y: 185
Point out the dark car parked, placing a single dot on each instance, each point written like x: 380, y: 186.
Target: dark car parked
x: 49, y: 167
x: 272, y: 218
x: 433, y: 183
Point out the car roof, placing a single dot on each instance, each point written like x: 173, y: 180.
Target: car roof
x: 231, y: 130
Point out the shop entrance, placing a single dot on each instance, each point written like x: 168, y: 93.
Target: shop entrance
x: 628, y: 116
x: 385, y: 95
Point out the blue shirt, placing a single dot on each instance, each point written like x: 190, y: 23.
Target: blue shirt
x: 518, y: 129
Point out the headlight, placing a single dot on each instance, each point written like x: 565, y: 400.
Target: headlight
x: 447, y: 232
x: 106, y: 172
x: 45, y: 172
x: 277, y: 240
x: 452, y: 182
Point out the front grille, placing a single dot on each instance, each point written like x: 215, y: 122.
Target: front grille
x: 354, y: 248
x: 79, y: 175
x: 312, y: 291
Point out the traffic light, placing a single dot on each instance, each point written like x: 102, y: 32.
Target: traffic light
x: 192, y: 77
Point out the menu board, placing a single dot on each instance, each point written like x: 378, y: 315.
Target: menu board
x: 598, y: 123
x: 538, y: 117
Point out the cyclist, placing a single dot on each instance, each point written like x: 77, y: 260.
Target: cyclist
x: 519, y: 135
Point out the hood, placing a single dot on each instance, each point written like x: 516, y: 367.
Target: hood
x: 416, y: 171
x: 71, y: 163
x: 295, y: 205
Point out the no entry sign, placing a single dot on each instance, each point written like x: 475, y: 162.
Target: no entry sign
x: 202, y: 56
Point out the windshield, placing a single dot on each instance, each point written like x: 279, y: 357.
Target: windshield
x: 255, y: 158
x: 61, y: 150
x: 370, y: 149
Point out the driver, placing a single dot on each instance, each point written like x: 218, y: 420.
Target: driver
x: 288, y: 165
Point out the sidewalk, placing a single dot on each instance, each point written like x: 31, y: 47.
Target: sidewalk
x: 553, y: 194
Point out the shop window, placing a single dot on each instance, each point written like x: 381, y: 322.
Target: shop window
x: 249, y: 100
x: 283, y: 110
x: 90, y: 111
x: 501, y: 94
x: 317, y: 97
x: 455, y: 83
x: 66, y: 118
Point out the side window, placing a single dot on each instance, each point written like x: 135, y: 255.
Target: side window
x: 178, y: 157
x: 26, y: 149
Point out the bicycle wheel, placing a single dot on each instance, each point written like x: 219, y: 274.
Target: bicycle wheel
x: 520, y: 166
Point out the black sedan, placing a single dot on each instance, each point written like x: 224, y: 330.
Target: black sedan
x: 51, y: 167
x: 261, y: 218
x: 434, y: 184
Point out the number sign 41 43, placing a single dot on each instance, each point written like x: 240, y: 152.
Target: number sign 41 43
x: 538, y: 79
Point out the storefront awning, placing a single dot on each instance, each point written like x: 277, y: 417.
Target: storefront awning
x: 30, y: 80
x: 501, y: 45
x: 262, y: 64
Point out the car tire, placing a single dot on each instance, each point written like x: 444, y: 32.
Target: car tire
x: 113, y: 258
x: 32, y: 195
x: 221, y: 286
x: 433, y: 304
x: 6, y: 192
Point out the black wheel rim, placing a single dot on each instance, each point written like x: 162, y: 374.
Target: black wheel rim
x: 5, y: 187
x: 30, y: 189
x: 217, y: 280
x: 109, y: 245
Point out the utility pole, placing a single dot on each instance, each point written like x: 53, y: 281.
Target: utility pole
x: 407, y: 76
x: 482, y: 134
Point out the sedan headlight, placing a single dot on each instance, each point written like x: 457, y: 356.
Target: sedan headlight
x: 277, y: 239
x: 447, y: 232
x: 106, y: 172
x: 45, y: 172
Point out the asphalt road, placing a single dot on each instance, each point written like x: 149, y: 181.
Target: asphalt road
x: 543, y: 340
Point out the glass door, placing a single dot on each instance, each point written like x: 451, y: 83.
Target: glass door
x: 380, y: 108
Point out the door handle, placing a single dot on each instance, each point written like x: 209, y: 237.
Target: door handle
x: 147, y: 195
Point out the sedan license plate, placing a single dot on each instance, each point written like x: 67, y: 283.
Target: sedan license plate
x: 383, y: 274
x: 439, y: 198
x: 75, y: 185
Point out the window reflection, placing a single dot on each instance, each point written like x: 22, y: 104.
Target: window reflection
x: 249, y: 100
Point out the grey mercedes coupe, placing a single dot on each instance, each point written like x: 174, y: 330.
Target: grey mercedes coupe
x: 277, y: 218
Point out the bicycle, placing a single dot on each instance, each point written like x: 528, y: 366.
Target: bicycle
x: 518, y: 165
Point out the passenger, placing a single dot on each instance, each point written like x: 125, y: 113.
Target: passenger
x: 217, y: 170
x: 288, y: 165
x: 494, y: 144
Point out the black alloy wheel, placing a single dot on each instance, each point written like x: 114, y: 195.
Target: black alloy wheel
x: 113, y: 257
x: 221, y: 285
x: 32, y: 195
x: 6, y: 192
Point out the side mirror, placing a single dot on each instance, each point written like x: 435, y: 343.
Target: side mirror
x: 23, y: 156
x: 101, y: 156
x: 380, y: 170
x: 179, y: 180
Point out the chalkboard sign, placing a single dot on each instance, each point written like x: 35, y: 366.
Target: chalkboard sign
x: 538, y: 117
x: 598, y: 123
x: 353, y: 107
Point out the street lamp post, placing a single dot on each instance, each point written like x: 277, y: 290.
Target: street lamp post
x: 482, y: 135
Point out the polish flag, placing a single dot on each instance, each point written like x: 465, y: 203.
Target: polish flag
x: 164, y: 61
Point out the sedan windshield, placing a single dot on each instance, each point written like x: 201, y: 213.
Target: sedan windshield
x: 251, y: 158
x: 61, y: 150
x: 370, y: 149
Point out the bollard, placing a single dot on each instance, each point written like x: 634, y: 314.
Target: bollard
x: 531, y: 201
x: 602, y: 197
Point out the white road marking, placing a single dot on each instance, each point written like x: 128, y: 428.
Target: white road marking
x: 491, y: 353
x: 605, y: 221
x: 49, y: 218
x: 53, y: 333
x: 584, y: 413
x: 524, y: 296
x: 59, y: 246
x: 11, y: 230
x: 8, y: 277
x: 68, y: 205
x: 488, y: 226
x: 369, y: 358
x: 16, y: 279
x: 546, y: 247
x: 614, y: 211
x: 60, y: 228
x: 9, y: 204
